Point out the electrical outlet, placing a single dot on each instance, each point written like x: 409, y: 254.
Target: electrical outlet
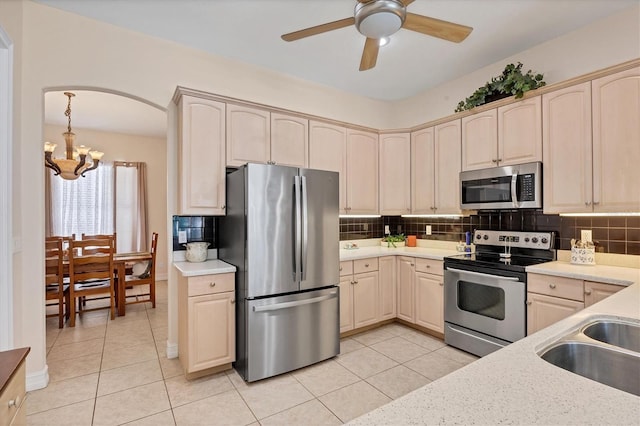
x: 182, y: 237
x: 427, y: 230
x: 386, y: 230
x: 365, y: 226
x: 586, y: 235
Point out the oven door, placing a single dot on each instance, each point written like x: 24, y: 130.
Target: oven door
x: 486, y: 302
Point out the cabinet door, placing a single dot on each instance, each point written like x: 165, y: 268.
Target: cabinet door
x: 346, y: 303
x: 211, y: 330
x: 362, y: 172
x: 365, y: 299
x: 520, y: 132
x: 422, y: 171
x: 328, y: 151
x: 480, y: 140
x: 616, y: 146
x: 430, y: 301
x: 595, y: 292
x: 289, y: 140
x: 248, y: 135
x: 447, y: 157
x: 406, y: 288
x: 395, y: 174
x: 201, y: 156
x: 387, y: 282
x: 566, y: 141
x: 542, y: 311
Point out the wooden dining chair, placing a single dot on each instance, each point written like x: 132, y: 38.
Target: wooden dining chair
x: 101, y: 236
x: 148, y: 277
x: 55, y: 286
x: 91, y: 273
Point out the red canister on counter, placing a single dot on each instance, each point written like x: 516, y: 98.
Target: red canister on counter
x: 411, y: 240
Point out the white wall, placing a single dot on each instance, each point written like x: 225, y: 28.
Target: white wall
x: 123, y: 147
x: 607, y: 42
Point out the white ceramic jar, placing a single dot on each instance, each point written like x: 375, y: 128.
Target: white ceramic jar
x: 196, y: 252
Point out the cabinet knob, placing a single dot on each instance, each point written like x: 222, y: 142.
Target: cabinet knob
x: 233, y: 301
x: 499, y: 160
x: 366, y: 265
x: 587, y: 292
x: 494, y: 161
x: 355, y: 281
x: 428, y: 266
x: 441, y: 284
x: 528, y: 302
x: 587, y: 203
x: 552, y: 286
x: 224, y: 207
x: 341, y: 268
x: 411, y: 264
x: 595, y: 203
x: 212, y: 284
x: 14, y: 402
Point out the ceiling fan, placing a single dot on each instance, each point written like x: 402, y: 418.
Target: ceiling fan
x: 378, y: 19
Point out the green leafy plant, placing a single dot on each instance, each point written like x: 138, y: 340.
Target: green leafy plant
x: 512, y: 82
x: 392, y: 239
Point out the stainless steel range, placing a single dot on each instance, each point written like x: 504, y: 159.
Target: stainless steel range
x: 485, y: 292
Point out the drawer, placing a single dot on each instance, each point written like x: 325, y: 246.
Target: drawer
x: 346, y: 268
x: 430, y: 266
x: 14, y: 391
x: 567, y: 288
x: 210, y: 284
x: 365, y: 265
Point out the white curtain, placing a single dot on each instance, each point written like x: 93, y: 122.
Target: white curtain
x: 131, y: 206
x: 84, y: 205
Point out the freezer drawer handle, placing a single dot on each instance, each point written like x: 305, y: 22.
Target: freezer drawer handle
x: 285, y: 305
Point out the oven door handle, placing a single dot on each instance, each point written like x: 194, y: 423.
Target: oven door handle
x: 480, y: 274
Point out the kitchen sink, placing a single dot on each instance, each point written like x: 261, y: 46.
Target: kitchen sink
x: 607, y: 351
x: 608, y: 366
x: 620, y: 334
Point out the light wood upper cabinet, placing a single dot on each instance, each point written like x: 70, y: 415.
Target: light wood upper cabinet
x: 422, y: 171
x: 248, y: 135
x: 289, y: 140
x: 429, y: 295
x: 328, y: 151
x: 406, y: 288
x: 201, y: 156
x: 387, y: 278
x: 362, y: 172
x: 520, y: 132
x: 480, y: 140
x: 566, y: 141
x: 616, y: 142
x: 447, y: 158
x: 395, y: 174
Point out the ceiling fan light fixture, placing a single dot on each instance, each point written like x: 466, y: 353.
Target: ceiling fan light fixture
x: 384, y: 41
x: 377, y: 19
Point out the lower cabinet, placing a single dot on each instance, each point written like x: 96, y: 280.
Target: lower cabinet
x: 430, y: 301
x: 359, y: 294
x: 206, y: 321
x: 542, y: 311
x: 595, y: 292
x: 406, y: 288
x: 387, y: 283
x: 12, y: 387
x: 421, y: 292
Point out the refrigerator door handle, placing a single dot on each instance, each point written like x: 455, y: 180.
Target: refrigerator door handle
x: 297, y: 232
x: 305, y: 229
x: 285, y: 305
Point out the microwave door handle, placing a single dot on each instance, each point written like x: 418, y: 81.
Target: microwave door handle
x: 514, y: 189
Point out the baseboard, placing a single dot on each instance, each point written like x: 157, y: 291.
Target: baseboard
x: 162, y: 277
x: 37, y: 380
x: 172, y: 350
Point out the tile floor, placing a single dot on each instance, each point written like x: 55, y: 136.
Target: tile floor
x: 106, y: 372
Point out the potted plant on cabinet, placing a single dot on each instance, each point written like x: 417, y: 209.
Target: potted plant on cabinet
x: 393, y: 241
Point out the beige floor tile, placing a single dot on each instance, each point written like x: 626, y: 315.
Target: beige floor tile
x: 64, y: 392
x: 132, y: 315
x: 457, y: 355
x: 161, y: 419
x: 131, y: 325
x: 354, y: 400
x: 90, y: 319
x: 325, y: 377
x: 237, y: 381
x: 429, y: 342
x: 128, y: 338
x: 399, y: 349
x: 366, y: 362
x: 80, y: 334
x: 433, y: 366
x: 75, y: 350
x: 51, y: 336
x: 349, y: 345
x: 80, y: 413
x: 397, y: 381
x: 396, y: 329
x: 131, y: 404
x: 170, y: 367
x: 119, y: 379
x: 271, y: 396
x: 160, y: 334
x: 182, y: 391
x: 119, y: 357
x: 227, y: 408
x: 62, y: 369
x: 310, y: 413
x: 374, y: 336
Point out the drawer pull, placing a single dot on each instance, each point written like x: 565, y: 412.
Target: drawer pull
x: 428, y: 266
x: 355, y: 282
x: 552, y: 286
x: 14, y: 402
x: 587, y: 292
x: 366, y: 265
x: 528, y: 302
x: 212, y: 284
x: 411, y: 264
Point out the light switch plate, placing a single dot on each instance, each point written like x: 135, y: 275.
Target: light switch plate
x: 182, y: 237
x: 586, y: 235
x: 386, y: 230
x: 427, y: 229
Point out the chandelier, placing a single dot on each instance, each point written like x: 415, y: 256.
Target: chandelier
x: 75, y: 164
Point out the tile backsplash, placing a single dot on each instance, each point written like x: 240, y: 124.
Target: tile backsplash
x: 613, y: 234
x: 198, y: 228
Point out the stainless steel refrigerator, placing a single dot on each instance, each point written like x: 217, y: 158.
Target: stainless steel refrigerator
x: 281, y: 233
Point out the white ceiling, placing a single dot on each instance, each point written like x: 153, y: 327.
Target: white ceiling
x: 250, y: 30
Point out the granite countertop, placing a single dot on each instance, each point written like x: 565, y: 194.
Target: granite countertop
x: 601, y: 273
x: 378, y: 251
x: 208, y: 267
x: 514, y: 385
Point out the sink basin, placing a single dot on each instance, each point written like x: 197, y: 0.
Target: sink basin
x: 608, y: 366
x: 619, y: 334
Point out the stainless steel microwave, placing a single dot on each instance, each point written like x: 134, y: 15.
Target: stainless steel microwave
x: 506, y: 187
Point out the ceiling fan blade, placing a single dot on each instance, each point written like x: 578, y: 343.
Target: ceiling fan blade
x: 407, y: 2
x: 436, y: 27
x: 318, y: 29
x: 369, y: 54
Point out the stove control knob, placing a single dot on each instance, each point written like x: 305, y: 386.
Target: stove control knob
x: 486, y: 237
x: 534, y: 240
x: 526, y: 239
x: 544, y: 240
x: 478, y: 236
